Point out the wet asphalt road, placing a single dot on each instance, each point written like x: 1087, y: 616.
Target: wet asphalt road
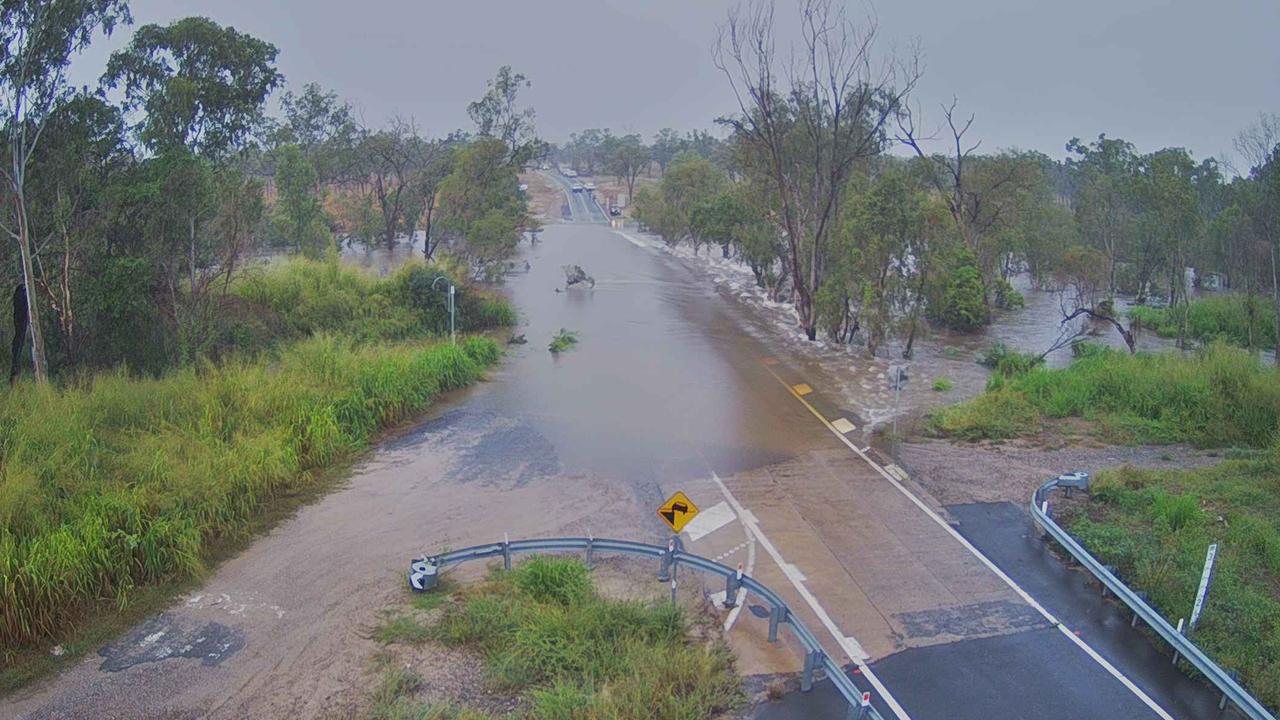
x: 664, y: 390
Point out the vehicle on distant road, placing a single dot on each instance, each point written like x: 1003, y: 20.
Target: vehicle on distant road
x: 577, y: 187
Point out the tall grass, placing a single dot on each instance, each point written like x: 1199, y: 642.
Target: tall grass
x: 310, y: 296
x: 118, y: 481
x: 1155, y: 526
x: 1219, y: 396
x: 1244, y: 320
x: 574, y: 655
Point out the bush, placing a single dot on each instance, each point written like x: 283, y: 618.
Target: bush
x: 942, y: 385
x: 563, y: 340
x: 310, y: 296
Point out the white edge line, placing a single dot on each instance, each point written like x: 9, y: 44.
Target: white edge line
x: 1155, y: 707
x: 847, y: 643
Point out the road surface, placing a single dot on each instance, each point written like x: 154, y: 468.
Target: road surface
x: 942, y: 613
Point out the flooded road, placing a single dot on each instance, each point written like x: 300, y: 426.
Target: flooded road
x: 670, y: 387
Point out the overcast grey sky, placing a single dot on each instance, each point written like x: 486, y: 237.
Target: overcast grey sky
x: 1158, y: 73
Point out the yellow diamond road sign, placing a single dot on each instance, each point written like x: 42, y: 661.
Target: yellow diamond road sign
x: 677, y: 511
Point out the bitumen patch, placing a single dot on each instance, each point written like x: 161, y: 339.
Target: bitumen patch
x: 1005, y: 534
x: 168, y: 636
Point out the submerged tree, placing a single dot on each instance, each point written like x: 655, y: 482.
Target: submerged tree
x: 811, y: 123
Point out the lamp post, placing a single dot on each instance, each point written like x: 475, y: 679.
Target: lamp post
x: 452, y: 337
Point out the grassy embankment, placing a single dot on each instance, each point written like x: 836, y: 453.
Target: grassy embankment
x: 1155, y: 526
x: 113, y: 483
x: 1244, y: 320
x: 549, y: 639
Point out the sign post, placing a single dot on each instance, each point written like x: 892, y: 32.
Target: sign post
x: 1206, y: 579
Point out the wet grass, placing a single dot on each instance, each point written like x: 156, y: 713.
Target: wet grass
x: 119, y: 482
x: 942, y: 385
x: 1243, y: 320
x: 548, y: 637
x: 302, y: 297
x: 1217, y: 397
x: 1155, y: 527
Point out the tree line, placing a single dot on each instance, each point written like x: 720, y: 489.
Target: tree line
x: 132, y: 205
x: 870, y: 244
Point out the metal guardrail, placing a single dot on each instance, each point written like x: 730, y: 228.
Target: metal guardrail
x: 424, y: 574
x: 1232, y: 691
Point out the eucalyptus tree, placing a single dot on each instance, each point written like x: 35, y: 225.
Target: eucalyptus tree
x: 810, y: 122
x: 498, y: 115
x: 199, y: 90
x: 37, y: 40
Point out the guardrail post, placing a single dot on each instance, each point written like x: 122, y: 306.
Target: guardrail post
x: 776, y: 615
x: 506, y: 553
x: 731, y: 585
x: 1222, y: 704
x: 590, y: 552
x: 811, y: 661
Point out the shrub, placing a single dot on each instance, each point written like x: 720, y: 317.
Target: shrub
x: 942, y: 385
x: 563, y: 340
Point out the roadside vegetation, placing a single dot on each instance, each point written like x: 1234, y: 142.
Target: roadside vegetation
x: 567, y: 653
x: 1216, y: 397
x: 1244, y: 320
x: 1155, y: 527
x: 114, y: 481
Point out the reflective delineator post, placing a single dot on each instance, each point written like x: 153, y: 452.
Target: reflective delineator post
x: 590, y: 552
x: 453, y: 338
x: 665, y: 562
x: 731, y: 585
x: 506, y: 553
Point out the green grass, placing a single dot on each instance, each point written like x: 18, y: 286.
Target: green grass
x: 1217, y: 397
x: 1244, y: 320
x: 563, y: 340
x: 942, y: 385
x: 573, y: 655
x: 300, y: 297
x: 1155, y: 526
x: 118, y: 482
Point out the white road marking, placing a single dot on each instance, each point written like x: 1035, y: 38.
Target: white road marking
x: 709, y: 521
x: 852, y: 649
x: 843, y: 425
x: 1106, y: 665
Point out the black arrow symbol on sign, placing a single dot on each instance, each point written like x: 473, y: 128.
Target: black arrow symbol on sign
x: 676, y: 507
